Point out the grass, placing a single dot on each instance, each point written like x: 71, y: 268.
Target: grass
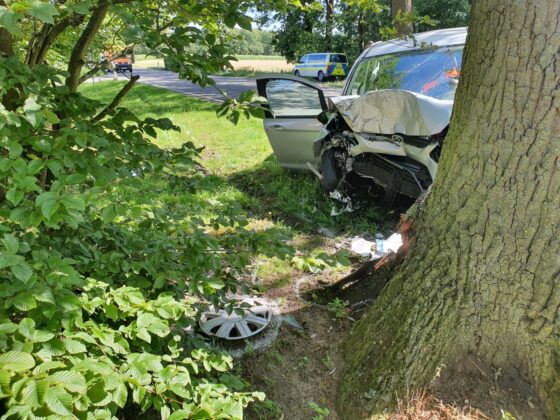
x: 243, y: 174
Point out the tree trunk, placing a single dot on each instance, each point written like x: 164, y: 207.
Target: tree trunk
x: 483, y: 277
x: 329, y: 12
x: 402, y: 6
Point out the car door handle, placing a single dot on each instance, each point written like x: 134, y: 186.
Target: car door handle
x: 277, y: 127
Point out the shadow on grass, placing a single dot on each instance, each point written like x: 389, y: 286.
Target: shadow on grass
x: 296, y: 199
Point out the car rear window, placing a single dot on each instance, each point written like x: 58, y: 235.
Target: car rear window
x: 317, y: 58
x: 338, y: 58
x: 431, y: 72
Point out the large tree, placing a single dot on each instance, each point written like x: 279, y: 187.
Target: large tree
x: 482, y: 279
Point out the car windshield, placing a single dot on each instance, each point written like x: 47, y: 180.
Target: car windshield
x: 431, y: 72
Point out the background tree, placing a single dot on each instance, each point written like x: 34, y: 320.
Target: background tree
x: 482, y: 278
x: 400, y: 8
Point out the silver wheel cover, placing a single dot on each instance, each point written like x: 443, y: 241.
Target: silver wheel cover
x: 234, y: 326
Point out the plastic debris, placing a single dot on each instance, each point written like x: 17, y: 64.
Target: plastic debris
x: 367, y: 248
x: 362, y: 247
x: 292, y: 321
x: 379, y: 243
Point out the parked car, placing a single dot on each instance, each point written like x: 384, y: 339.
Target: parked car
x: 123, y: 64
x: 322, y: 66
x: 387, y: 129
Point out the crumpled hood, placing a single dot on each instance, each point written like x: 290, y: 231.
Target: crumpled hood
x: 394, y: 111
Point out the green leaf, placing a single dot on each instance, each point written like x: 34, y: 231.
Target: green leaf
x: 50, y: 116
x: 8, y: 327
x: 15, y: 150
x: 75, y: 179
x: 73, y: 203
x: 46, y: 366
x: 11, y: 243
x: 9, y: 20
x: 14, y: 195
x: 22, y: 271
x: 180, y: 414
x: 215, y: 283
x: 120, y: 395
x: 44, y: 11
x: 27, y: 327
x: 16, y: 361
x: 49, y: 207
x: 5, y: 378
x: 108, y: 213
x: 71, y: 380
x: 24, y: 301
x: 8, y: 259
x: 244, y: 22
x: 73, y: 346
x: 29, y: 394
x: 59, y: 401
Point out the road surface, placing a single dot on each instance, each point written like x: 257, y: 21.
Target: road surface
x: 169, y: 80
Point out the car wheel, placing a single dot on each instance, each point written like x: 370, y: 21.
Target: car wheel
x: 330, y: 171
x: 320, y: 76
x: 296, y: 73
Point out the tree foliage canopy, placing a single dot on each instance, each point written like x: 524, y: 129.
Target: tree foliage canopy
x: 354, y: 23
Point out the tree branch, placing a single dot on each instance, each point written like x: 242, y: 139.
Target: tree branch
x: 48, y: 35
x: 116, y: 100
x: 88, y: 34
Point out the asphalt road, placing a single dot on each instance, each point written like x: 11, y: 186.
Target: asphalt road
x: 169, y: 80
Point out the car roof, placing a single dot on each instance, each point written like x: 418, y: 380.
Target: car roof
x: 438, y: 38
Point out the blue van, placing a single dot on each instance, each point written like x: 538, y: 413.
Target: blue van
x: 322, y: 66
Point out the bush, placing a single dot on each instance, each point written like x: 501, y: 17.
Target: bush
x: 102, y: 282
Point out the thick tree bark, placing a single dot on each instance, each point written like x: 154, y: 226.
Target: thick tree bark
x: 483, y: 277
x: 402, y: 6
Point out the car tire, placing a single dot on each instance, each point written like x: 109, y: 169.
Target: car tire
x: 330, y: 171
x: 296, y: 73
x: 320, y: 76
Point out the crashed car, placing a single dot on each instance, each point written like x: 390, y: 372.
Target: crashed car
x: 387, y: 129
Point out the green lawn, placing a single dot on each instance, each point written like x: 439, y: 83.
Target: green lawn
x: 242, y: 173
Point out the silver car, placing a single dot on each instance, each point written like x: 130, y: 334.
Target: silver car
x: 388, y: 127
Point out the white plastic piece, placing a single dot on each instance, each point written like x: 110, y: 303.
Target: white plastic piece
x: 362, y: 247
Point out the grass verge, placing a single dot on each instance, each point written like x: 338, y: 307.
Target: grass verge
x: 244, y: 176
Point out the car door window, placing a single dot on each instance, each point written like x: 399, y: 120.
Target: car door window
x: 289, y: 98
x: 303, y: 59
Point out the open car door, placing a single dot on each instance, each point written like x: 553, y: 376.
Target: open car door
x: 291, y: 119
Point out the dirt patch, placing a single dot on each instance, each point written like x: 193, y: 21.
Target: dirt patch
x: 263, y: 65
x: 471, y: 382
x: 300, y: 372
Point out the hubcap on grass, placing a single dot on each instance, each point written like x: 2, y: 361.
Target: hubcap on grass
x: 235, y: 326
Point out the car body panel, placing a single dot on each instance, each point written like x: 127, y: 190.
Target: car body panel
x: 394, y: 111
x: 291, y: 123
